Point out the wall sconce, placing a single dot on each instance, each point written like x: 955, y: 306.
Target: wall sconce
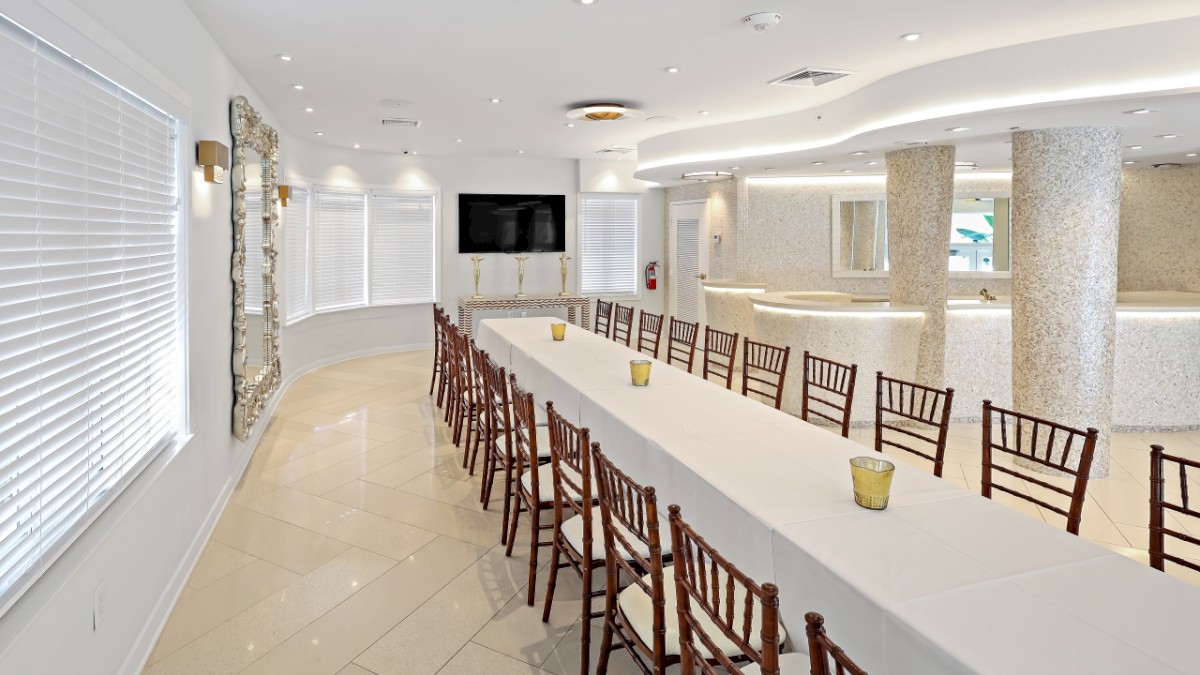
x: 285, y: 191
x: 214, y: 157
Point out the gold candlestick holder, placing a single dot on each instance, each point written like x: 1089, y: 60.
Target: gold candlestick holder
x: 521, y: 275
x: 477, y: 260
x: 563, y: 259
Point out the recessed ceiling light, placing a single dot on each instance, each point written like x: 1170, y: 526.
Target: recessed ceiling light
x: 735, y: 168
x: 1191, y: 154
x: 587, y: 2
x: 319, y: 133
x: 911, y: 37
x: 458, y: 140
x: 412, y: 152
x: 1135, y: 147
x: 494, y: 100
x: 847, y: 170
x: 1138, y: 111
x: 1013, y: 128
x: 958, y: 129
x: 857, y: 153
x: 672, y: 69
x: 1167, y: 136
x: 520, y: 152
x: 768, y: 168
x: 872, y: 163
x: 357, y: 146
x: 283, y: 57
x: 308, y: 110
x: 1130, y: 161
x: 704, y: 112
x: 297, y: 87
x: 570, y: 125
x: 817, y: 163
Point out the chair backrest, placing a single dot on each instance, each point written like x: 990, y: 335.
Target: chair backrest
x: 622, y: 324
x: 1160, y: 504
x: 764, y: 368
x: 649, y: 333
x: 828, y: 391
x: 1043, y: 442
x: 477, y: 357
x: 464, y: 384
x: 706, y: 583
x: 681, y: 342
x: 922, y: 409
x: 437, y: 332
x: 627, y: 510
x: 496, y: 409
x: 720, y: 352
x: 825, y: 657
x: 603, y: 317
x: 524, y: 435
x: 571, y: 459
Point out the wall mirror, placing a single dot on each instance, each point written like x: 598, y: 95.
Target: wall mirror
x: 979, y: 235
x: 256, y: 372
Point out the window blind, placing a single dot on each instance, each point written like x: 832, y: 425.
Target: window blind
x: 340, y: 250
x: 90, y: 362
x: 298, y: 300
x: 402, y: 248
x: 608, y: 245
x: 253, y: 269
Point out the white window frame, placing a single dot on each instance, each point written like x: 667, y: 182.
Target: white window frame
x: 637, y: 242
x: 368, y: 191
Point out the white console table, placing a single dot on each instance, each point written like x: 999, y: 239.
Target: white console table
x: 467, y: 306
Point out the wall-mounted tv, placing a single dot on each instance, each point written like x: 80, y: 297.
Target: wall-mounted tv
x: 512, y: 223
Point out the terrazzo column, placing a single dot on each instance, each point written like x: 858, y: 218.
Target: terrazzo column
x: 1066, y: 213
x: 920, y: 199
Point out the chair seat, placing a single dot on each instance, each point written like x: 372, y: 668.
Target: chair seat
x: 572, y: 530
x: 543, y: 443
x: 793, y: 662
x: 546, y: 487
x: 638, y: 609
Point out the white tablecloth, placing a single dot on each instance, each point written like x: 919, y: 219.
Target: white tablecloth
x: 943, y: 581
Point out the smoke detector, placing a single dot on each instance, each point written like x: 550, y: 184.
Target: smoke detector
x: 603, y: 112
x: 761, y: 21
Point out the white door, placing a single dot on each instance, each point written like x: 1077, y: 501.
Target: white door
x: 688, y: 260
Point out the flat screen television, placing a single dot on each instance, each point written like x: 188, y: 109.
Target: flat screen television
x: 512, y: 223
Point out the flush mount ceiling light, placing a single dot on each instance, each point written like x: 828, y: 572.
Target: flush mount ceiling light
x: 910, y: 37
x: 761, y: 21
x: 707, y: 176
x: 603, y: 112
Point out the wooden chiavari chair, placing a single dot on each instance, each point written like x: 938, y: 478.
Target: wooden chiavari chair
x: 574, y: 522
x: 649, y: 333
x: 723, y: 614
x: 438, y: 354
x: 720, y: 353
x: 1159, y: 505
x: 450, y: 346
x: 465, y: 405
x: 533, y: 491
x: 479, y: 398
x: 622, y: 324
x: 603, y: 317
x: 822, y: 650
x: 764, y: 368
x: 681, y: 342
x: 924, y: 408
x: 497, y: 440
x: 833, y: 383
x: 629, y: 519
x: 1057, y: 448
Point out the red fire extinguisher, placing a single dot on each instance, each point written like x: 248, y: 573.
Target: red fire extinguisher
x: 652, y: 275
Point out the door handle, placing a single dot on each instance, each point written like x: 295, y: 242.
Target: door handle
x: 702, y: 276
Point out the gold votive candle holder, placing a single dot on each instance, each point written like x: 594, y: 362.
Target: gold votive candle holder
x: 872, y: 482
x: 558, y: 331
x: 639, y: 372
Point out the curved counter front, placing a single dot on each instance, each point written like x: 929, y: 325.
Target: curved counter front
x: 1156, y: 374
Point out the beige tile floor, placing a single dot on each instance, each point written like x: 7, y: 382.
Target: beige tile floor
x: 354, y: 543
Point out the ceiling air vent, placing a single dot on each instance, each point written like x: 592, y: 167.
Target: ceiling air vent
x: 810, y: 77
x: 400, y: 122
x: 614, y: 150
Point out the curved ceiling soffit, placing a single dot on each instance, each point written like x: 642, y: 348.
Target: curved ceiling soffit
x: 1159, y: 58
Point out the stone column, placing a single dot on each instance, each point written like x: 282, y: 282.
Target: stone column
x: 920, y: 199
x: 1066, y: 213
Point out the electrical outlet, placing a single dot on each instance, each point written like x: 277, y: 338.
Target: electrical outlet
x: 98, y: 601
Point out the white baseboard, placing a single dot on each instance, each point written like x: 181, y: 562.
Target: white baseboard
x: 140, y: 653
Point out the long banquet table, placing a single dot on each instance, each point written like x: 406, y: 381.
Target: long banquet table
x: 942, y: 581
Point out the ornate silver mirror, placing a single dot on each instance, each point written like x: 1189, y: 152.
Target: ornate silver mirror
x: 255, y: 304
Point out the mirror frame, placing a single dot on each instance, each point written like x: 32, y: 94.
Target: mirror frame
x: 251, y: 396
x: 835, y: 238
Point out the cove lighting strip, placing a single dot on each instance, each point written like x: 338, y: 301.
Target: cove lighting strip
x: 734, y: 289
x: 1148, y: 86
x: 840, y: 314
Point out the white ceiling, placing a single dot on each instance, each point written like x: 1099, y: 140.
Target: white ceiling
x: 543, y: 57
